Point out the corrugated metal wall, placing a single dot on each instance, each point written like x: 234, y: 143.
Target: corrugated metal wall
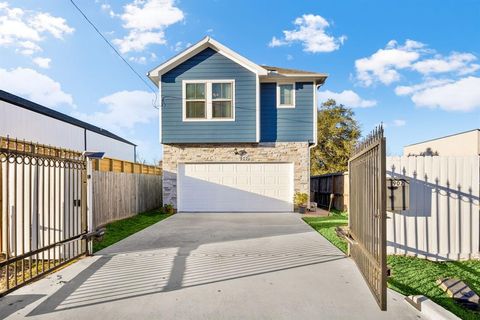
x: 19, y: 123
x: 443, y: 219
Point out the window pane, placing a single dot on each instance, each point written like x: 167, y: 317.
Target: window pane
x: 221, y: 90
x: 195, y: 109
x: 195, y: 91
x: 227, y: 91
x: 190, y: 91
x: 222, y: 109
x: 286, y: 95
x: 200, y: 91
x: 216, y: 90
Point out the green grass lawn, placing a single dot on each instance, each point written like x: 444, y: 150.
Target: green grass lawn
x: 412, y: 276
x: 417, y: 276
x: 326, y: 227
x: 121, y: 229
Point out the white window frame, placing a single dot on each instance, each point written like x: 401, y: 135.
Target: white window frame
x: 208, y: 100
x: 285, y: 106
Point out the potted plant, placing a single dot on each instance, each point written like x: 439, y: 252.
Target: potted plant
x: 300, y: 201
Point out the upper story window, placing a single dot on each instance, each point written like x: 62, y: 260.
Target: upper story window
x: 196, y: 103
x: 286, y: 95
x: 211, y: 100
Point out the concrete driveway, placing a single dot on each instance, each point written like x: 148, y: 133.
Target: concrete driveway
x: 209, y: 266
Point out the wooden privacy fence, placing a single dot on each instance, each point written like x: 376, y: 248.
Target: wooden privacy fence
x: 330, y: 190
x: 443, y: 218
x: 114, y: 165
x: 122, y: 189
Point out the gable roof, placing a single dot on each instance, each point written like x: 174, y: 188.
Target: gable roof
x: 206, y: 42
x: 32, y: 106
x: 267, y: 72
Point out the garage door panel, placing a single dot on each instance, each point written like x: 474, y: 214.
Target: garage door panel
x: 235, y: 187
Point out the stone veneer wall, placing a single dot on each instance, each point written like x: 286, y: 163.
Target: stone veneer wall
x: 295, y: 152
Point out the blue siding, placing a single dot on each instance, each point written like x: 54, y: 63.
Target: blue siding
x: 209, y: 65
x: 286, y: 125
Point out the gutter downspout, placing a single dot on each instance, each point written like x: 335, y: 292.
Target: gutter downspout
x: 315, y: 128
x: 315, y: 103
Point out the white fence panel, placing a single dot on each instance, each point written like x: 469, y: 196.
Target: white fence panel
x: 443, y: 219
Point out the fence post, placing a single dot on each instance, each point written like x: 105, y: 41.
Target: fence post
x: 349, y: 201
x: 1, y: 205
x: 89, y: 202
x: 84, y: 207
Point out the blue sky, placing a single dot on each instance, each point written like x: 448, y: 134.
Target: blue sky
x: 413, y: 65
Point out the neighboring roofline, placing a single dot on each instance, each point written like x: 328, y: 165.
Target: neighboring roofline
x: 299, y: 75
x: 35, y: 107
x: 447, y: 136
x: 176, y: 60
x: 319, y: 78
x: 287, y: 72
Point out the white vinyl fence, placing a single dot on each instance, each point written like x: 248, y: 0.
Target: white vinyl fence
x: 443, y: 219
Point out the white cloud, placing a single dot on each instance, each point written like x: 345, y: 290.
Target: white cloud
x: 347, y: 97
x: 138, y: 40
x: 56, y: 26
x: 289, y: 57
x: 460, y: 63
x: 28, y: 48
x: 46, y: 91
x: 146, y: 21
x: 384, y: 66
x: 108, y: 8
x: 42, y: 62
x: 124, y: 110
x: 462, y: 95
x: 399, y: 123
x: 275, y: 42
x: 180, y: 45
x: 140, y: 60
x: 25, y: 30
x: 310, y: 31
x: 408, y: 90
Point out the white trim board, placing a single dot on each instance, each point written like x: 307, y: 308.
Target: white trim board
x: 206, y: 42
x: 208, y: 100
x: 294, y: 88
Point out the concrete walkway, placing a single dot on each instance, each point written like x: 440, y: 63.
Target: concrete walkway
x: 209, y: 266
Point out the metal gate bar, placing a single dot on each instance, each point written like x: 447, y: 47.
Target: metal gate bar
x: 367, y: 213
x: 43, y: 210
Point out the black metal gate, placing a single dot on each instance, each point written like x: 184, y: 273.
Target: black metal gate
x: 367, y: 213
x: 43, y: 210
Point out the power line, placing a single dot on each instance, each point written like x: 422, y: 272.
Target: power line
x: 116, y: 51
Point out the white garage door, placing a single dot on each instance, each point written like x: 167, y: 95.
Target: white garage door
x: 223, y: 187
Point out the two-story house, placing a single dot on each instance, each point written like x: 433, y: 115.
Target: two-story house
x: 236, y: 135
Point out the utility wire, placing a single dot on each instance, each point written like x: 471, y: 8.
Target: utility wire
x: 116, y: 51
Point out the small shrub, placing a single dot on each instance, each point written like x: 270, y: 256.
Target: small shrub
x: 300, y: 199
x: 168, y: 208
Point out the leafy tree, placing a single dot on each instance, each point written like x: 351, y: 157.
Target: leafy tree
x: 338, y: 132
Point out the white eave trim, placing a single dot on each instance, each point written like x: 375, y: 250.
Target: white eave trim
x: 198, y: 47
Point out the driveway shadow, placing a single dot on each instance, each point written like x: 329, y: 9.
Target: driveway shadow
x: 202, y: 252
x: 16, y: 302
